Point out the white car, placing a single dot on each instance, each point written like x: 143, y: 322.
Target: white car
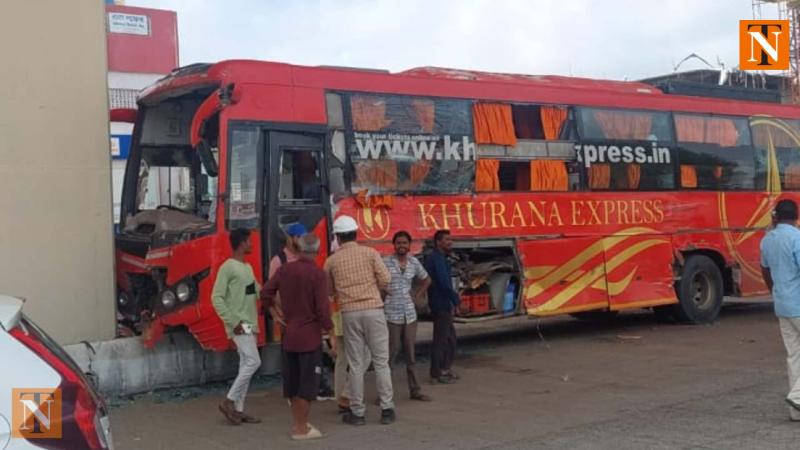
x: 35, y: 372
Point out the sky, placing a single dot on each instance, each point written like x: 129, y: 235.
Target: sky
x: 611, y: 39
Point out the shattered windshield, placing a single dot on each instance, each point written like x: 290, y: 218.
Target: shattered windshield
x: 172, y: 178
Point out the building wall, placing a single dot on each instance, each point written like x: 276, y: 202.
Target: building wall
x: 55, y: 176
x: 142, y: 48
x: 151, y: 47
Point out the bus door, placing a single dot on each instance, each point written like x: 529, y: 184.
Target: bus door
x: 296, y: 191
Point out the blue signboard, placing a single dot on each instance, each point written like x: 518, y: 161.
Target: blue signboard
x: 120, y: 146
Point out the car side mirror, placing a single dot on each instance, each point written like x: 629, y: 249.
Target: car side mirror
x: 203, y: 150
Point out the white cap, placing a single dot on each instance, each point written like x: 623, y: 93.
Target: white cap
x: 344, y: 224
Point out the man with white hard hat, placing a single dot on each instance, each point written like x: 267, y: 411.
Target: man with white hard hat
x: 357, y: 276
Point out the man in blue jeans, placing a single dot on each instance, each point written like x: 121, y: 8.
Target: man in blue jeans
x: 780, y: 266
x: 443, y: 300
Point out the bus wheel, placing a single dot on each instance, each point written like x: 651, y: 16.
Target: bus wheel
x: 699, y: 290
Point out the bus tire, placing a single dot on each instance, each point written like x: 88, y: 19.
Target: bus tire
x: 699, y: 290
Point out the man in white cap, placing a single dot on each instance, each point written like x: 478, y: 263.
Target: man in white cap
x: 357, y: 276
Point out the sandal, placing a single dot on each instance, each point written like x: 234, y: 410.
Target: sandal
x: 312, y: 433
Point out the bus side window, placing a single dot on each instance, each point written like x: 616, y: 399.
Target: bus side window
x: 540, y: 122
x: 408, y: 144
x: 243, y: 207
x: 300, y: 177
x: 642, y: 156
x: 337, y: 159
x: 715, y: 152
x: 539, y: 161
x: 521, y: 176
x: 336, y: 153
x: 776, y: 149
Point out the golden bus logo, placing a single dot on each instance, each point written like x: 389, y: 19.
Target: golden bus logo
x: 373, y: 223
x: 764, y: 44
x: 36, y: 413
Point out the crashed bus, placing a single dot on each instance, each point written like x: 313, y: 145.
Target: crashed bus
x: 564, y: 195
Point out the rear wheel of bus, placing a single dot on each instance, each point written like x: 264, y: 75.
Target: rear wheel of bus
x: 700, y: 291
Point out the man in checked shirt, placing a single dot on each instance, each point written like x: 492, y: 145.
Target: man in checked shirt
x: 399, y: 306
x: 356, y: 276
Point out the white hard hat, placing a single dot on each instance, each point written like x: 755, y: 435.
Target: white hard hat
x: 344, y: 224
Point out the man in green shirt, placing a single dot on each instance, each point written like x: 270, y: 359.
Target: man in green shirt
x: 234, y: 298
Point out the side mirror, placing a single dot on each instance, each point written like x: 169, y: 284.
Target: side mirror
x: 203, y: 150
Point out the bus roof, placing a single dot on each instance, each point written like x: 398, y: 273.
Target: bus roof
x: 454, y: 83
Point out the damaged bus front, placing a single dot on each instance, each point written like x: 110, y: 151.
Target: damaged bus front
x: 169, y: 212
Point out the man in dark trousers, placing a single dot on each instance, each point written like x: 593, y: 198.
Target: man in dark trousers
x: 401, y: 314
x: 307, y: 316
x: 443, y: 300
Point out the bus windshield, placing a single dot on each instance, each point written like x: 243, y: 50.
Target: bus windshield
x: 172, y: 178
x: 167, y: 187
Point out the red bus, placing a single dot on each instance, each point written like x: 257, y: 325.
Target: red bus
x: 564, y: 195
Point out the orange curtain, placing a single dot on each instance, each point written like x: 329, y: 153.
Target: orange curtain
x: 709, y: 130
x: 386, y: 173
x: 374, y: 201
x: 368, y: 113
x: 425, y: 113
x: 599, y: 176
x: 486, y: 175
x: 549, y: 175
x: 634, y: 175
x: 493, y: 124
x: 381, y: 173
x: 624, y: 124
x: 419, y: 170
x: 791, y: 177
x: 690, y: 128
x: 416, y: 175
x: 688, y: 176
x: 721, y: 131
x: 552, y: 119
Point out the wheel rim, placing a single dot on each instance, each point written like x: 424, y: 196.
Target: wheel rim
x: 703, y: 291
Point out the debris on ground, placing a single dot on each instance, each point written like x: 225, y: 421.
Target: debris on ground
x: 182, y: 394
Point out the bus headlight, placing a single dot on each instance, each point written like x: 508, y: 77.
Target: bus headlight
x: 168, y: 299
x: 183, y: 291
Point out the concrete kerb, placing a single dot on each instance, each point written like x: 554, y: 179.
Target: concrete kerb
x: 125, y: 367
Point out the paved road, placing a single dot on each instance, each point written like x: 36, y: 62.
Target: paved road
x: 557, y: 384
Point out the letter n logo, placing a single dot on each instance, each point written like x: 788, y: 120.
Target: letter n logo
x: 764, y: 44
x: 36, y: 413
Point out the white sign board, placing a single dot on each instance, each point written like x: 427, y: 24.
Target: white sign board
x: 128, y: 24
x: 115, y: 149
